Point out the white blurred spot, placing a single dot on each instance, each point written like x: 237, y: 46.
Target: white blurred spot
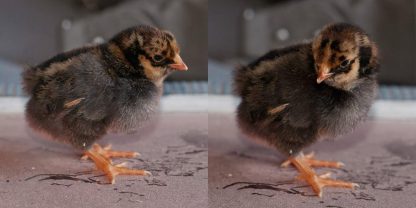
x: 249, y: 14
x: 98, y: 40
x: 66, y: 24
x: 282, y: 34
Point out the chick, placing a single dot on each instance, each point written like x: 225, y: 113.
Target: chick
x: 295, y: 96
x: 78, y: 96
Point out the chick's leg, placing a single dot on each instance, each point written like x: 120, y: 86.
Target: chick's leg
x: 310, y: 159
x: 111, y: 171
x: 316, y: 182
x: 108, y: 153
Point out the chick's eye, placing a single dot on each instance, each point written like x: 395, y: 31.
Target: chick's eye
x: 345, y: 63
x: 157, y: 58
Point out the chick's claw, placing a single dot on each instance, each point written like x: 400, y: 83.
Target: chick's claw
x: 110, y: 170
x: 317, y: 182
x: 108, y: 153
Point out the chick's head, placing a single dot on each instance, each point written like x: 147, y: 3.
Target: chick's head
x: 154, y: 51
x: 344, y: 56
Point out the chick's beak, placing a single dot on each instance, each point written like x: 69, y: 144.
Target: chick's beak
x: 322, y: 77
x: 178, y: 64
x: 323, y: 74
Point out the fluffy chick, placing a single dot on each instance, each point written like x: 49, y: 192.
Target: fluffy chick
x: 294, y: 96
x: 78, y: 96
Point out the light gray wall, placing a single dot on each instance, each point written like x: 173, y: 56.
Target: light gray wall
x: 390, y: 23
x: 30, y: 30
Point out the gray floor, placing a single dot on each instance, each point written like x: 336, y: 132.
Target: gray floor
x: 37, y: 173
x: 380, y: 156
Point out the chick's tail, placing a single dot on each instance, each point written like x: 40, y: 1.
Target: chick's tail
x: 30, y: 78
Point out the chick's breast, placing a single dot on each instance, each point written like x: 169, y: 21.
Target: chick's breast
x: 124, y: 102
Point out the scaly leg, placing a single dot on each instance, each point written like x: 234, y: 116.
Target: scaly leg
x: 310, y: 159
x: 111, y: 171
x: 108, y: 153
x: 316, y: 182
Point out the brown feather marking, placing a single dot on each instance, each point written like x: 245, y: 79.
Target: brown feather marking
x: 59, y: 67
x: 278, y: 109
x: 151, y: 72
x: 131, y: 39
x: 115, y: 50
x: 73, y: 103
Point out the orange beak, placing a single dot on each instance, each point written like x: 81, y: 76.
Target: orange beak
x: 178, y: 64
x: 323, y: 76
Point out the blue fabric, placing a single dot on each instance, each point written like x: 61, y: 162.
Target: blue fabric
x: 220, y: 82
x: 10, y: 84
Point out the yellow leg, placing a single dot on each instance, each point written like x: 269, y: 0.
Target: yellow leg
x: 317, y: 182
x: 110, y: 170
x: 310, y: 159
x: 108, y: 153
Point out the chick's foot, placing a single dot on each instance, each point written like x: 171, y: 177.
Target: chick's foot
x: 111, y: 171
x: 108, y: 153
x: 311, y: 161
x: 315, y: 181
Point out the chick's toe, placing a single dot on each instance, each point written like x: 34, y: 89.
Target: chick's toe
x: 317, y: 182
x: 111, y: 171
x: 108, y: 153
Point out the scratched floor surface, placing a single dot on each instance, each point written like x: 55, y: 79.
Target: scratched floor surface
x: 380, y: 156
x: 37, y: 173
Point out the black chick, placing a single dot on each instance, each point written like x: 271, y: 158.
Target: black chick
x: 294, y: 96
x: 78, y: 96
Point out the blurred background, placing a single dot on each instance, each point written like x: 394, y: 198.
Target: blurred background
x: 34, y: 31
x: 242, y: 30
